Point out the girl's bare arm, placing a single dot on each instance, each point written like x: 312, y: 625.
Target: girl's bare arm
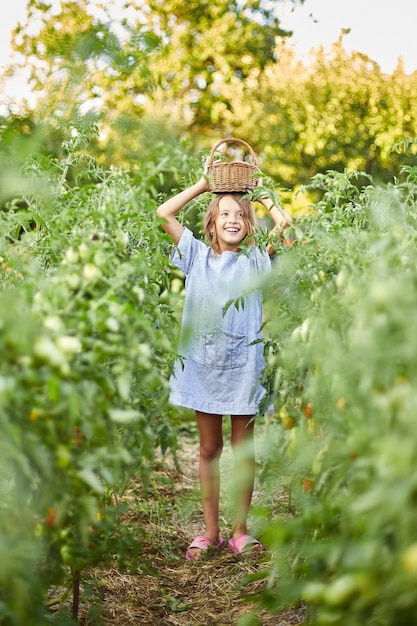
x: 169, y: 209
x: 280, y: 217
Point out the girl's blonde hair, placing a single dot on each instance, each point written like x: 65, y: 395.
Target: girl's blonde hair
x: 248, y: 215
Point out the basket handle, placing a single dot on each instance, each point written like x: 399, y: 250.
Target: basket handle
x: 231, y: 140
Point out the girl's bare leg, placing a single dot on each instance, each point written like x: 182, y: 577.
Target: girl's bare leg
x: 211, y: 445
x: 242, y: 440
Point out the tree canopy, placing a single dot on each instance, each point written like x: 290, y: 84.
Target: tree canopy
x: 164, y: 71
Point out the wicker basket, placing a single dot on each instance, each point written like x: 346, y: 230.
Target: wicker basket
x: 234, y: 176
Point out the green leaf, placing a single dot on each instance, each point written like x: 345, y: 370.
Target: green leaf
x: 124, y: 416
x: 91, y: 479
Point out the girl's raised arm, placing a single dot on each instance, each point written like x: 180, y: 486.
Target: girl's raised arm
x: 169, y: 209
x: 281, y: 219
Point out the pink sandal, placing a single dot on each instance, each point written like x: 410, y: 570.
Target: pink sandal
x: 245, y: 544
x: 206, y: 546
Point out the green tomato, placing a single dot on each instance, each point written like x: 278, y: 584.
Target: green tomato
x: 66, y: 554
x: 341, y: 590
x: 63, y: 456
x: 409, y: 560
x: 313, y: 592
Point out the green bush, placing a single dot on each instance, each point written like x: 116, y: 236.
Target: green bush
x: 87, y: 338
x: 346, y: 376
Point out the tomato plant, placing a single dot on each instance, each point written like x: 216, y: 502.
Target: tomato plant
x: 349, y: 350
x: 87, y: 340
x: 88, y: 336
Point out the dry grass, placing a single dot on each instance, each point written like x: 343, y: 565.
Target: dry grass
x: 214, y: 592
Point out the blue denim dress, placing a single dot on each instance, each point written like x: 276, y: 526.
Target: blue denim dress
x: 220, y: 354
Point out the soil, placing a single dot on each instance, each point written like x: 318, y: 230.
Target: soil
x: 216, y: 591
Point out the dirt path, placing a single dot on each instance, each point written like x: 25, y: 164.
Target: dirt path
x: 177, y: 592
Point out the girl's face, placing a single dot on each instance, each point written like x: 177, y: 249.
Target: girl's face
x: 229, y: 227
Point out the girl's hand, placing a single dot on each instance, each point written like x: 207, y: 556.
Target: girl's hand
x: 206, y: 164
x: 204, y: 182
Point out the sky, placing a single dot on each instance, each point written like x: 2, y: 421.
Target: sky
x: 16, y: 11
x: 383, y: 29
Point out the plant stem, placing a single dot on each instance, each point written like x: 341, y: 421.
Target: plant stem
x: 76, y: 595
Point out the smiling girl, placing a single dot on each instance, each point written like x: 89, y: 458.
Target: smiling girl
x: 220, y: 350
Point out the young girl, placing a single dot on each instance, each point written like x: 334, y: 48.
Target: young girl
x: 220, y: 349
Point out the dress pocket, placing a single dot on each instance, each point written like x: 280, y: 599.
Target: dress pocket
x: 219, y: 349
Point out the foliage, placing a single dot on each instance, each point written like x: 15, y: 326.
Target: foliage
x: 158, y: 74
x: 345, y: 377
x: 338, y: 112
x: 87, y: 339
x: 87, y: 335
x: 87, y: 302
x: 105, y: 64
x: 227, y: 43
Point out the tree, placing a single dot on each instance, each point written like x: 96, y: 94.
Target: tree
x: 211, y: 48
x: 106, y: 62
x: 164, y: 72
x: 339, y: 112
x: 81, y: 66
